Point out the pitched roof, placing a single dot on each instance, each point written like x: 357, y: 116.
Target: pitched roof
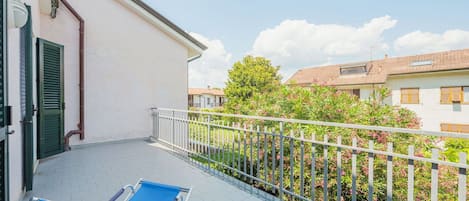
x: 200, y: 91
x: 158, y: 20
x: 379, y: 70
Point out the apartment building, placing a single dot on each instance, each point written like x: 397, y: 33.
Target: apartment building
x: 435, y: 86
x: 206, y: 97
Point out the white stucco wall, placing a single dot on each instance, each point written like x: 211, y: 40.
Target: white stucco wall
x: 64, y: 30
x: 15, y: 140
x: 431, y: 112
x: 130, y: 67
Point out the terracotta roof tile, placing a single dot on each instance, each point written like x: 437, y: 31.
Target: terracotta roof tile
x: 379, y: 70
x: 199, y: 91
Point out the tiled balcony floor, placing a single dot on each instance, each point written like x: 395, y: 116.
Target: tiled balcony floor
x: 96, y: 172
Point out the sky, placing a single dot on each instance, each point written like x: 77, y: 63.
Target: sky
x: 307, y: 33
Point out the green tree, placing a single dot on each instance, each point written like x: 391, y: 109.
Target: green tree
x: 249, y: 76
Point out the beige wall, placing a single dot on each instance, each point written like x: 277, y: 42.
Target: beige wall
x: 431, y: 112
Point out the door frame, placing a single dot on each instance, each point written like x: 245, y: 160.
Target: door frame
x: 4, y: 129
x: 40, y: 98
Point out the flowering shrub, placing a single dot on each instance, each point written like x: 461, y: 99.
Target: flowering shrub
x: 324, y: 103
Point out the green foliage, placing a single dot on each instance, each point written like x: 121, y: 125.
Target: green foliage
x: 454, y: 147
x: 250, y: 76
x: 254, y: 88
x: 322, y: 103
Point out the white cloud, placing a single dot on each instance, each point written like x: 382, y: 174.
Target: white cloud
x: 297, y: 43
x: 212, y: 68
x: 425, y: 42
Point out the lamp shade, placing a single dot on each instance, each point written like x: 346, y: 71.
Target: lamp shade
x: 18, y: 14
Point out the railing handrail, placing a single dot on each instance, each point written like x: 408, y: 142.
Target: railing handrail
x: 335, y: 124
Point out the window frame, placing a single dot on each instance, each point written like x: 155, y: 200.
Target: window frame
x: 464, y: 101
x: 453, y: 127
x: 461, y: 95
x: 353, y: 70
x: 408, y: 102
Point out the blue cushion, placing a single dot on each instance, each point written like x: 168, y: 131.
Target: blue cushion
x: 150, y: 191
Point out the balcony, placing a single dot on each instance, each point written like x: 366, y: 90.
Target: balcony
x: 96, y: 172
x: 238, y: 157
x: 311, y: 160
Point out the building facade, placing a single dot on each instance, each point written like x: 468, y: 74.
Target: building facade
x: 206, y: 98
x: 435, y: 86
x: 83, y: 72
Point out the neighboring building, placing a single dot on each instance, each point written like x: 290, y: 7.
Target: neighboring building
x: 85, y: 67
x: 206, y: 98
x: 435, y: 86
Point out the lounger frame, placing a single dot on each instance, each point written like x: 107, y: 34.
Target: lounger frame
x: 134, y: 189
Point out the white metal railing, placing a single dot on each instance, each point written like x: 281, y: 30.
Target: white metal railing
x: 287, y: 158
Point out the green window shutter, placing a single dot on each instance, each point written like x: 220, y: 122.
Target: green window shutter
x: 50, y: 98
x: 26, y: 91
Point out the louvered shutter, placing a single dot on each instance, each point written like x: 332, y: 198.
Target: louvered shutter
x: 415, y: 96
x: 456, y: 94
x: 410, y: 96
x: 445, y: 95
x: 50, y: 98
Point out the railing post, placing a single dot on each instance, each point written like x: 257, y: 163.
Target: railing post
x: 434, y: 180
x: 339, y: 168
x: 209, y: 140
x: 156, y: 122
x: 410, y: 175
x: 389, y: 180
x: 280, y: 188
x: 354, y: 169
x: 371, y: 157
x: 173, y: 129
x: 462, y: 177
x: 325, y: 169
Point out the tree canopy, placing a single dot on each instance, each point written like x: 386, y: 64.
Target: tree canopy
x: 249, y: 76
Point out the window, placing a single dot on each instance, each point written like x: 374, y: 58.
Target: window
x: 450, y: 95
x: 458, y: 128
x: 421, y: 63
x: 355, y: 92
x: 410, y: 96
x: 465, y: 94
x: 355, y: 69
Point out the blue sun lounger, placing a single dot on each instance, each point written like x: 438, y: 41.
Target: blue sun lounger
x: 150, y: 191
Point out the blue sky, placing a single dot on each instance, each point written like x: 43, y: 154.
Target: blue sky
x: 297, y: 34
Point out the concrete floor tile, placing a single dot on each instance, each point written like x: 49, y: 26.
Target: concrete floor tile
x: 97, y: 172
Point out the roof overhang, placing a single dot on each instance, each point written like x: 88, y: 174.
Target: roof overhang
x: 149, y: 14
x: 464, y: 69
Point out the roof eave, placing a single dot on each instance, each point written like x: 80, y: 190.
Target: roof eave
x: 195, y: 47
x: 428, y: 72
